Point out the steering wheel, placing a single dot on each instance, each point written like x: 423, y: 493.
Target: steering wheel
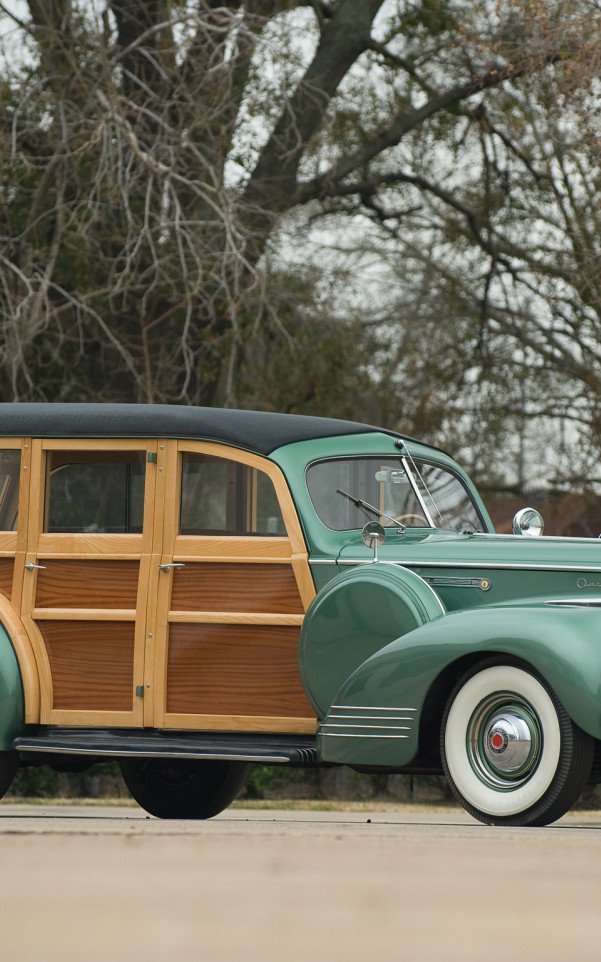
x: 401, y: 518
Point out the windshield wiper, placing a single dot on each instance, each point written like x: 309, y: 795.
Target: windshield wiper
x: 369, y: 507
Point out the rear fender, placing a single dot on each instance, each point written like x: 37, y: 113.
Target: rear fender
x: 375, y: 716
x: 11, y: 693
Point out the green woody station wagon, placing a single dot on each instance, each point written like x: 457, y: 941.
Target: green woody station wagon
x: 192, y: 590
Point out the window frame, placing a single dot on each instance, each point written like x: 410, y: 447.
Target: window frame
x: 241, y: 501
x: 90, y: 456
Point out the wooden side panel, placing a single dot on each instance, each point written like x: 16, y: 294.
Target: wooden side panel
x: 230, y: 587
x: 91, y: 664
x: 7, y: 566
x: 80, y: 583
x: 235, y: 669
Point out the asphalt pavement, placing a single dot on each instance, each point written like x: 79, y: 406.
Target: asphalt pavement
x: 92, y: 883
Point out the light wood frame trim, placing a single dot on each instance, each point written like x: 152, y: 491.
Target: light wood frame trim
x: 232, y: 618
x: 298, y: 551
x: 85, y: 614
x: 232, y: 548
x: 112, y: 547
x: 8, y: 544
x: 13, y: 541
x: 36, y: 532
x: 97, y: 444
x: 227, y: 723
x: 76, y: 717
x: 26, y: 656
x: 22, y: 524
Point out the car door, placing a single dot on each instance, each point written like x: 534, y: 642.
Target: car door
x: 233, y: 585
x: 86, y: 574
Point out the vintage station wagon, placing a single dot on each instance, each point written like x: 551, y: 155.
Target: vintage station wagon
x: 192, y: 590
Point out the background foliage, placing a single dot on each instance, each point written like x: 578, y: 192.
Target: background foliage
x: 384, y: 209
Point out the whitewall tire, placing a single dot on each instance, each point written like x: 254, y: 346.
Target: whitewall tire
x: 510, y: 752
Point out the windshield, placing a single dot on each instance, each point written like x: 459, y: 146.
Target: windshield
x: 347, y: 492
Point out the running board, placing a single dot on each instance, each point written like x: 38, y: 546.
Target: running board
x: 125, y: 742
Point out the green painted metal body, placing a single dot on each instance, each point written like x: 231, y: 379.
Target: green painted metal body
x: 377, y: 653
x: 11, y: 694
x: 563, y: 645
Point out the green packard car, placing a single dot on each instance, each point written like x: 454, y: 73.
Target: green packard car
x: 192, y: 590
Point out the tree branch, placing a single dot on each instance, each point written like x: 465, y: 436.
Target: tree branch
x: 345, y: 36
x: 328, y: 184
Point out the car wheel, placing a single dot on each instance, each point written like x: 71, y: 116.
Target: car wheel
x: 183, y: 788
x: 510, y: 751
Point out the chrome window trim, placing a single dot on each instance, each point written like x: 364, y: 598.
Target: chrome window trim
x: 489, y: 565
x: 416, y: 491
x: 558, y: 538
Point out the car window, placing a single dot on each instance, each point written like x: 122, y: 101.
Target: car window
x: 452, y: 506
x: 10, y: 470
x: 223, y: 497
x: 416, y: 494
x: 100, y: 492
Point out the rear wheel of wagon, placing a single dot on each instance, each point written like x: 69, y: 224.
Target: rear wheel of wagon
x: 511, y: 753
x: 183, y: 788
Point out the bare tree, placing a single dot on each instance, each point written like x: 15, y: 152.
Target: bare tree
x: 152, y: 151
x: 486, y: 225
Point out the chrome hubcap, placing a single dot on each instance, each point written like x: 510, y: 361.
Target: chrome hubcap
x: 504, y: 741
x: 508, y: 742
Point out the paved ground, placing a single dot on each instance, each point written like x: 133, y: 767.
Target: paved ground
x: 259, y: 886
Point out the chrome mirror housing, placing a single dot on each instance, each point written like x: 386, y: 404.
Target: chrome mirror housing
x: 373, y: 535
x: 529, y: 522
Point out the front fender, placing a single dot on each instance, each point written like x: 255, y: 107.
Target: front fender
x: 11, y: 693
x: 562, y: 644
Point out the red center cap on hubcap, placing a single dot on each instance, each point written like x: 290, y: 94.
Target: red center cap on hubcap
x: 497, y: 740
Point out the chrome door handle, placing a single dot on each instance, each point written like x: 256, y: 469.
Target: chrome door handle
x: 31, y: 567
x: 172, y: 564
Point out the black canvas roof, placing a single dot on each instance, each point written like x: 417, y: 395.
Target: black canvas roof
x: 259, y: 431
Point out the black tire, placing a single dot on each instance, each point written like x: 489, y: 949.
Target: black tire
x: 9, y: 763
x: 183, y: 787
x: 510, y: 752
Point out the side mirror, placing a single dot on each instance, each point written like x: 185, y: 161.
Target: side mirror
x: 529, y: 522
x: 373, y: 535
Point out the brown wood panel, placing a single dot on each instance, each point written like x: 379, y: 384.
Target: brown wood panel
x: 235, y: 669
x: 7, y: 566
x: 269, y: 588
x: 91, y: 664
x: 84, y: 583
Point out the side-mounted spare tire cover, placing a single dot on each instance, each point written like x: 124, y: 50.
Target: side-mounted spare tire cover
x: 355, y: 615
